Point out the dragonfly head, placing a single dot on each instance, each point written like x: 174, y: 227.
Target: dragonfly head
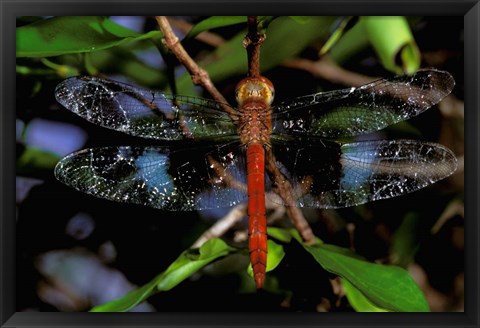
x: 254, y: 89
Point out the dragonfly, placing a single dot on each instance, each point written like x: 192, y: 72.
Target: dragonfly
x: 217, y: 155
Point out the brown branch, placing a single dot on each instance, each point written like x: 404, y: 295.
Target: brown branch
x: 227, y: 178
x: 284, y: 189
x: 236, y: 214
x: 198, y: 74
x: 328, y: 70
x: 252, y: 42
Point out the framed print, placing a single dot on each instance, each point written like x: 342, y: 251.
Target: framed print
x: 213, y: 167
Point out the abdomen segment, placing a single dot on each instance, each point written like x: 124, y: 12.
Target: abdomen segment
x: 257, y: 228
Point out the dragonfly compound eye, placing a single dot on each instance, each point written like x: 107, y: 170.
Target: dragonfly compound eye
x: 254, y: 89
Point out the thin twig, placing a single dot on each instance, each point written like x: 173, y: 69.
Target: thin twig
x: 252, y: 42
x: 198, y: 74
x: 236, y: 214
x: 328, y: 70
x: 284, y: 189
x: 227, y: 179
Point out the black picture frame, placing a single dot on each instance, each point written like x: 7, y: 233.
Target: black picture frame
x: 11, y: 9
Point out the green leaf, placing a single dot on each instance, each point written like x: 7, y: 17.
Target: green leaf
x: 386, y: 286
x: 339, y: 31
x: 33, y: 159
x: 301, y: 19
x: 189, y: 262
x: 405, y: 240
x: 215, y: 22
x: 391, y: 38
x: 393, y: 42
x: 73, y: 34
x: 357, y: 300
x: 274, y: 256
x: 350, y: 43
x: 130, y: 300
x: 275, y: 49
x: 280, y: 234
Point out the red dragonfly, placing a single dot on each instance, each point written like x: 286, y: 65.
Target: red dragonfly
x: 232, y: 158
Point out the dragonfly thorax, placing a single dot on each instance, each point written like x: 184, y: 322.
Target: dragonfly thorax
x: 254, y: 96
x: 254, y: 89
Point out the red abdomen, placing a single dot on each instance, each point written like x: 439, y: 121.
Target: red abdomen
x: 257, y: 227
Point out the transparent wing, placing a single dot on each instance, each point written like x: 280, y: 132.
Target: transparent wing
x: 142, y: 112
x: 369, y: 108
x: 186, y: 180
x: 328, y: 174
